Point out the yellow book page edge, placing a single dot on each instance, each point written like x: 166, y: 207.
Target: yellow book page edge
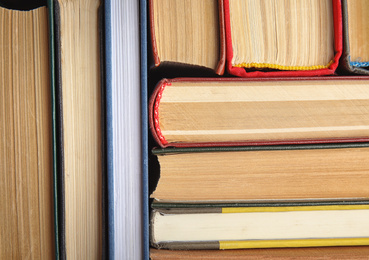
x: 294, y: 243
x: 297, y: 208
x: 281, y: 67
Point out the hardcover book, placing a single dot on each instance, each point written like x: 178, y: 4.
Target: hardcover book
x: 27, y: 227
x: 355, y: 56
x: 255, y: 226
x: 124, y: 146
x: 219, y: 112
x: 282, y: 38
x: 188, y: 35
x: 260, y: 173
x: 79, y: 129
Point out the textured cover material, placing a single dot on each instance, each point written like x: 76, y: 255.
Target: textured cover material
x: 241, y: 72
x: 160, y: 87
x: 214, y: 207
x: 327, y: 253
x: 144, y: 127
x: 59, y: 135
x: 222, y: 48
x: 345, y: 65
x: 50, y: 5
x: 109, y: 131
x: 104, y: 193
x: 262, y: 243
x: 203, y: 149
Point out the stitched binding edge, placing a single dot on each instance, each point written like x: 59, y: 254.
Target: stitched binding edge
x: 156, y: 113
x: 281, y: 67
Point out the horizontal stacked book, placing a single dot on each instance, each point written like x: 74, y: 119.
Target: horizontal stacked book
x: 275, y: 157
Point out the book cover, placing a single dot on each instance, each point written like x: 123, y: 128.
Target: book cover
x: 50, y: 5
x: 144, y: 128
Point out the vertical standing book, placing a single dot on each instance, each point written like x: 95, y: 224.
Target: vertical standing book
x: 26, y: 163
x: 188, y: 35
x: 123, y: 123
x: 282, y: 37
x: 79, y: 126
x: 355, y: 56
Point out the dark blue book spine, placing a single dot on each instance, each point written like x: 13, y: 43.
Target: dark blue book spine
x: 144, y: 129
x: 109, y: 129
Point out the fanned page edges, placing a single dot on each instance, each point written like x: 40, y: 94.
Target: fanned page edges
x: 220, y: 68
x: 242, y: 70
x: 156, y: 130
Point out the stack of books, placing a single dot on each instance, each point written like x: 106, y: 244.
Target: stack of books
x: 256, y: 132
x: 271, y: 150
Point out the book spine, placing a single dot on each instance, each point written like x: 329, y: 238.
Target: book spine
x: 109, y: 129
x: 144, y: 129
x: 58, y: 146
x: 50, y: 5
